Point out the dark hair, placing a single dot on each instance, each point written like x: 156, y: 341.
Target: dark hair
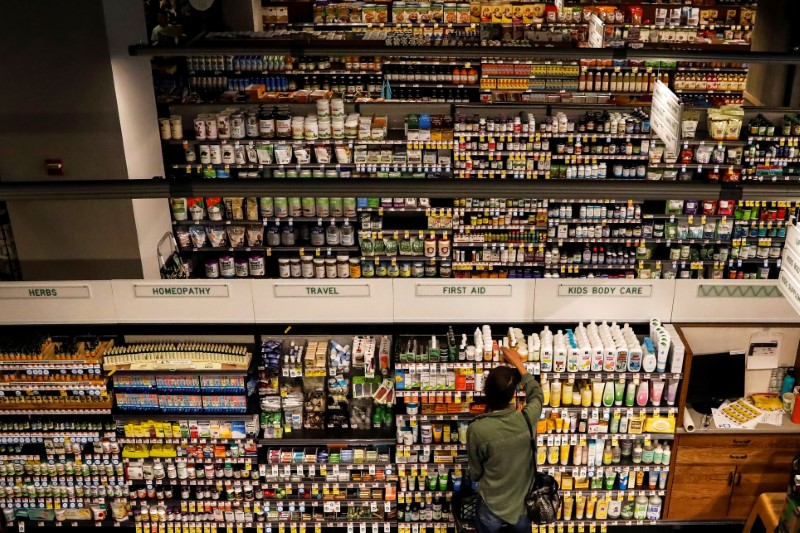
x: 500, y: 386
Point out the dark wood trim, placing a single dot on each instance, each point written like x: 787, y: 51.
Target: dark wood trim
x: 687, y: 370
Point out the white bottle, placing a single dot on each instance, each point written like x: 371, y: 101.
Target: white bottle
x: 658, y: 454
x: 546, y: 350
x: 654, y: 508
x: 666, y: 455
x: 559, y: 353
x: 648, y: 359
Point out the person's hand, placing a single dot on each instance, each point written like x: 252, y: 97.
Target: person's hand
x: 511, y: 355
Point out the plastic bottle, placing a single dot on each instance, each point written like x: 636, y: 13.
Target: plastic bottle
x: 788, y: 381
x: 642, y: 395
x: 653, y: 507
x: 555, y: 394
x: 637, y: 453
x: 630, y: 393
x: 666, y: 455
x: 658, y: 454
x: 640, y: 505
x: 608, y: 394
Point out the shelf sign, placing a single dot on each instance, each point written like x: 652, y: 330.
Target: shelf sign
x: 26, y: 292
x: 793, y: 239
x: 627, y: 291
x: 665, y: 116
x: 791, y: 262
x: 790, y: 288
x: 596, y: 32
x: 456, y: 290
x: 181, y: 291
x: 325, y: 291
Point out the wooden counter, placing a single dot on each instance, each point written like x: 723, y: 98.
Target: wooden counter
x: 718, y: 474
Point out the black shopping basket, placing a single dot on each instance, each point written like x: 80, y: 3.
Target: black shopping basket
x: 465, y: 506
x: 169, y: 260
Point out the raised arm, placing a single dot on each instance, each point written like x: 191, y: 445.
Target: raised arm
x: 534, y: 397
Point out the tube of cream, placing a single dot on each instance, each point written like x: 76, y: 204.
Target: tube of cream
x: 672, y: 391
x: 568, y: 507
x: 641, y: 395
x: 656, y: 390
x: 630, y: 393
x: 608, y: 394
x: 619, y: 391
x: 597, y: 393
x: 580, y: 501
x: 590, y: 507
x: 598, y: 451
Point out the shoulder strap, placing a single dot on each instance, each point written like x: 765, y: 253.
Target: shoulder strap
x: 533, y: 444
x: 528, y: 423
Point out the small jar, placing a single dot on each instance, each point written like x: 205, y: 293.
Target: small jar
x: 241, y: 268
x: 342, y: 266
x: 307, y: 263
x: 367, y: 269
x: 319, y: 267
x: 430, y: 246
x: 284, y: 270
x: 330, y: 267
x: 212, y: 269
x: 295, y: 269
x: 444, y: 246
x: 227, y: 268
x: 355, y: 267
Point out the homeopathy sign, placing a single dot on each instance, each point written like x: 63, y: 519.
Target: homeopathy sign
x: 181, y: 291
x: 625, y: 291
x: 183, y: 301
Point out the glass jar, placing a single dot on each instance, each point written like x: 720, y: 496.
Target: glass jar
x: 307, y: 264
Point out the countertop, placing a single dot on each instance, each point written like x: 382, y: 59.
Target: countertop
x: 786, y: 428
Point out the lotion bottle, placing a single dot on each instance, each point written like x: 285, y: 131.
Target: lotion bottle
x: 555, y: 394
x: 546, y: 350
x: 649, y: 359
x: 545, y: 391
x: 608, y: 394
x: 559, y: 353
x: 642, y: 394
x: 630, y: 392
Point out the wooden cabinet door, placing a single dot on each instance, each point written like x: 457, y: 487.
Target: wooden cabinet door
x: 749, y: 482
x: 700, y: 492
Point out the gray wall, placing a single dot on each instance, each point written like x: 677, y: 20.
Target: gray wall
x: 766, y: 83
x: 58, y: 101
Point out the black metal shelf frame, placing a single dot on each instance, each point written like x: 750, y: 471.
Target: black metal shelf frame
x: 301, y: 47
x: 432, y: 188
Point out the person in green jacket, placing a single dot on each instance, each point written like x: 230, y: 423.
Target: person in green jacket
x: 499, y: 443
